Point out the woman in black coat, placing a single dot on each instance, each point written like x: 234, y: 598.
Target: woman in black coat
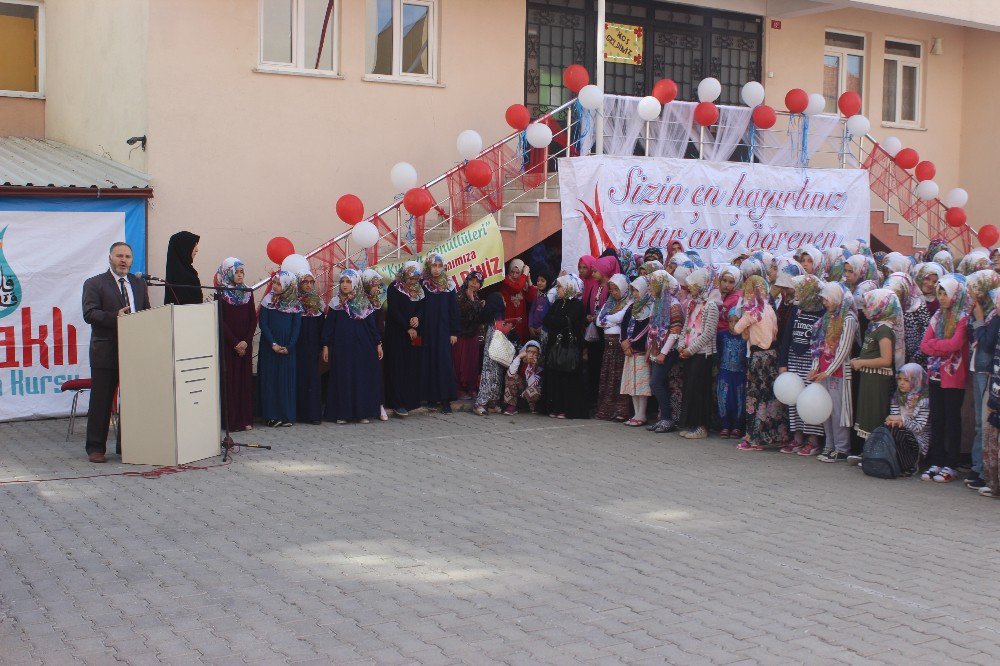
x: 565, y: 390
x: 181, y: 251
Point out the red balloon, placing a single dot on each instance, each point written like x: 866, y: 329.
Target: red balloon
x: 706, y: 114
x: 575, y: 77
x: 989, y: 235
x: 907, y: 158
x: 278, y: 249
x: 350, y: 209
x: 417, y: 201
x: 478, y: 173
x: 849, y: 103
x: 925, y: 171
x: 518, y: 117
x: 764, y: 117
x: 797, y: 100
x: 665, y: 91
x: 955, y: 217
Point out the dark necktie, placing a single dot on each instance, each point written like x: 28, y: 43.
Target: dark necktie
x: 121, y: 283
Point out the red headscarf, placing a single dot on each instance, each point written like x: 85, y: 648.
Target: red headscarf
x: 589, y: 283
x: 606, y: 266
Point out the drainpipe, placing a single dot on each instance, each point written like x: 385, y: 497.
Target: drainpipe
x: 599, y: 71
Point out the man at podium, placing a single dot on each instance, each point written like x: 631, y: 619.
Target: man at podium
x: 106, y: 297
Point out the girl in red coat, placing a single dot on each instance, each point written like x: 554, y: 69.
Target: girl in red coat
x: 518, y: 293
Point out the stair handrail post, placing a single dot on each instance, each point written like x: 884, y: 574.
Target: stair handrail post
x: 845, y: 140
x: 569, y: 131
x: 602, y: 12
x: 647, y: 138
x: 701, y: 143
x: 545, y: 174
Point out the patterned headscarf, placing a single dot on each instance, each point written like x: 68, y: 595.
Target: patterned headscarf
x: 287, y: 300
x: 787, y: 270
x: 312, y: 304
x: 945, y: 259
x: 370, y: 277
x: 977, y: 260
x: 827, y: 331
x: 807, y: 293
x: 697, y: 283
x: 755, y: 296
x: 410, y: 269
x: 817, y: 257
x: 663, y: 288
x: 648, y: 267
x: 858, y: 246
x: 980, y: 284
x: 656, y: 252
x: 862, y: 289
x: 909, y: 401
x: 879, y: 257
x: 834, y: 260
x: 674, y: 261
x: 863, y: 267
x: 359, y: 306
x: 472, y: 275
x: 926, y: 268
x: 695, y: 258
x: 226, y: 277
x: 906, y: 289
x: 883, y: 309
x: 572, y: 285
x: 684, y: 269
x: 614, y: 305
x: 627, y: 262
x: 934, y: 247
x: 946, y: 319
x: 753, y: 266
x: 441, y: 284
x: 896, y: 262
x: 642, y: 306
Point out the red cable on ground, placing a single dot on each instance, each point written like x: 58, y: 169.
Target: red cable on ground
x: 154, y: 473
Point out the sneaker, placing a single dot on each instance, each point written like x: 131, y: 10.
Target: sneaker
x: 833, y: 457
x: 653, y: 426
x: 664, y: 426
x: 946, y: 475
x: 724, y: 433
x: 931, y: 472
x: 697, y: 433
x: 790, y: 447
x: 977, y: 485
x: 402, y: 412
x: 854, y: 460
x: 972, y: 478
x: 822, y: 457
x: 986, y: 491
x: 808, y: 450
x: 747, y: 446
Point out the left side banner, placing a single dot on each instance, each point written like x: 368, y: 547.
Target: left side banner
x: 48, y: 247
x: 478, y: 247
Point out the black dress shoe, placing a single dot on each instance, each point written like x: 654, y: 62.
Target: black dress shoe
x: 96, y: 457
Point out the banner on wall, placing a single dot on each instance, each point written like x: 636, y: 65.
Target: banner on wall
x: 47, y: 249
x: 721, y: 209
x: 478, y: 247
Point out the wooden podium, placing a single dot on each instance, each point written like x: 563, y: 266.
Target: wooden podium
x: 168, y: 359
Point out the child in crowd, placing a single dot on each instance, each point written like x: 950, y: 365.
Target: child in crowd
x: 524, y: 378
x: 832, y: 342
x: 991, y: 420
x: 491, y: 379
x: 875, y: 363
x: 765, y: 415
x: 697, y: 350
x: 795, y: 356
x: 611, y: 404
x: 731, y: 381
x: 665, y: 326
x: 539, y: 307
x: 910, y: 406
x: 635, y: 328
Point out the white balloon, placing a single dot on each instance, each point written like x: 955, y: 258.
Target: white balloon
x: 858, y: 125
x: 295, y: 264
x: 956, y: 198
x: 752, y: 94
x: 649, y: 108
x: 892, y: 145
x: 403, y: 176
x: 470, y: 144
x: 816, y: 104
x: 814, y: 404
x: 591, y: 97
x: 364, y: 235
x: 926, y: 190
x: 539, y: 135
x: 787, y: 387
x: 709, y: 90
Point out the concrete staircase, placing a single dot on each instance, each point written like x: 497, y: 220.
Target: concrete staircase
x: 896, y: 236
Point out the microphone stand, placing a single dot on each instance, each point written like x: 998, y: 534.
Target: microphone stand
x: 227, y: 442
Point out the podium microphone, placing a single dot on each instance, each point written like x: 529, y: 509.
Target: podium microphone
x: 147, y: 278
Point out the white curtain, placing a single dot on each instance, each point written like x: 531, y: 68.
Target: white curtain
x: 821, y: 126
x: 622, y: 125
x: 776, y: 147
x: 588, y: 126
x: 669, y: 136
x: 732, y: 127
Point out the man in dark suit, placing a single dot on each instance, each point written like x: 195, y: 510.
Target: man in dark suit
x: 106, y: 297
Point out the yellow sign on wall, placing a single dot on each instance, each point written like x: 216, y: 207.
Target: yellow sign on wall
x: 623, y: 43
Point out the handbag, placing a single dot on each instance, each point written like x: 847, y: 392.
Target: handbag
x: 591, y: 334
x: 564, y: 354
x: 501, y: 350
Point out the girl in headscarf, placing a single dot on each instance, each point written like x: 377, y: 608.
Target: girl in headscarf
x: 666, y: 323
x: 729, y: 282
x: 524, y: 379
x: 374, y: 287
x: 991, y: 420
x: 832, y: 344
x: 538, y: 309
x: 945, y: 259
x: 309, y: 394
x: 674, y: 248
x: 681, y: 273
x: 752, y: 266
x: 611, y: 402
x: 404, y: 317
x: 731, y: 380
x: 280, y: 323
x: 647, y: 267
x: 879, y: 257
x: 491, y: 379
x: 928, y: 274
x: 518, y: 293
x: 783, y: 292
x: 875, y: 363
x: 182, y: 248
x: 439, y: 330
x: 910, y: 406
x: 635, y: 327
x: 985, y: 323
x: 353, y: 348
x: 934, y: 247
x: 594, y: 342
x: 697, y: 350
x: 946, y: 344
x: 239, y: 323
x: 765, y: 415
x: 835, y: 259
x: 653, y: 254
x: 859, y: 268
x: 811, y: 260
x: 896, y: 262
x: 795, y: 355
x: 915, y: 317
x: 627, y: 262
x: 564, y: 388
x: 977, y: 260
x: 585, y: 269
x: 466, y: 355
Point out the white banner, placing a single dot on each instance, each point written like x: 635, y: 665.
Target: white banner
x: 721, y: 209
x: 45, y: 256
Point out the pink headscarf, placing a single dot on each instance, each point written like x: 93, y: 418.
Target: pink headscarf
x: 606, y: 266
x: 589, y: 283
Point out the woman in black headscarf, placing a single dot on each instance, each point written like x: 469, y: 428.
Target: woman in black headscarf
x: 181, y: 251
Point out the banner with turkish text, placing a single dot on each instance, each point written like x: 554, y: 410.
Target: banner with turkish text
x: 720, y: 209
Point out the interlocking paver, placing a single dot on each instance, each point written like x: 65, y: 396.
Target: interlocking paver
x: 457, y: 539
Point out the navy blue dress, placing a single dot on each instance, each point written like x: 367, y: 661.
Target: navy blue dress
x: 402, y: 359
x: 355, y: 385
x: 439, y: 323
x: 276, y: 372
x: 307, y: 379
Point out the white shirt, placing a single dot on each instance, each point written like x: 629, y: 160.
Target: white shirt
x: 613, y: 324
x: 128, y: 288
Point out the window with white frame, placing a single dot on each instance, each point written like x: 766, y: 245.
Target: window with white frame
x: 299, y: 36
x: 901, y: 82
x: 843, y: 66
x: 21, y: 49
x: 402, y: 40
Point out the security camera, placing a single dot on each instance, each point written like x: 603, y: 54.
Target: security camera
x: 137, y: 139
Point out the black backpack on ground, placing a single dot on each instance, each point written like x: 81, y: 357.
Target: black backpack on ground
x: 890, y: 453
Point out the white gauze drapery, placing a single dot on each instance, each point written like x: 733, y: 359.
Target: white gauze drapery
x: 731, y: 129
x: 670, y: 134
x: 622, y: 125
x: 785, y: 147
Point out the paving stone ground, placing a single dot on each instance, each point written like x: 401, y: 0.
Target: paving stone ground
x: 459, y: 539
